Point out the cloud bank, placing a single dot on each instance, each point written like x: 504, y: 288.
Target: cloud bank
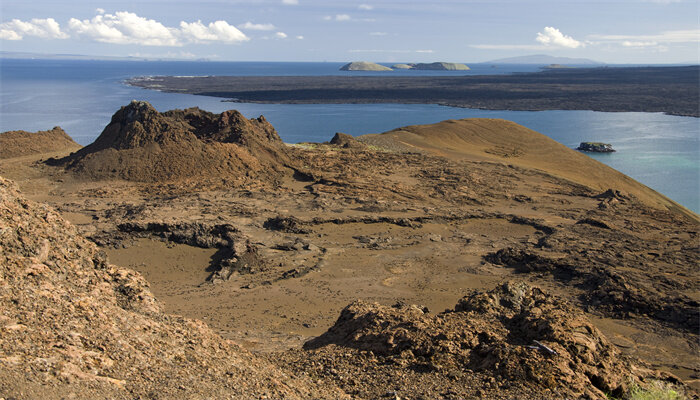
x: 46, y: 28
x: 124, y: 27
x: 256, y: 27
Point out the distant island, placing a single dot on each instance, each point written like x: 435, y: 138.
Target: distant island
x: 671, y: 90
x: 436, y: 66
x: 364, y: 66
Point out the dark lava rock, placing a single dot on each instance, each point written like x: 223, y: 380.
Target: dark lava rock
x: 596, y: 147
x: 286, y: 224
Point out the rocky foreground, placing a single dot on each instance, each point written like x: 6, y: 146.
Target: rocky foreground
x: 331, y: 263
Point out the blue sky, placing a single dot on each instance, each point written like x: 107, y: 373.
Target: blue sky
x: 613, y: 31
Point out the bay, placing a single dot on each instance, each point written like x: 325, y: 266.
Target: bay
x: 661, y: 151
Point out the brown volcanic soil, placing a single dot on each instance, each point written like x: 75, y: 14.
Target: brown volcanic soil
x: 22, y: 143
x: 76, y: 326
x: 141, y: 144
x: 422, y: 216
x: 480, y: 139
x: 514, y: 333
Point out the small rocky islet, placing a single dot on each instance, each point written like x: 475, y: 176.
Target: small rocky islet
x: 596, y: 147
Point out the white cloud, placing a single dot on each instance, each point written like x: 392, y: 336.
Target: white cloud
x: 377, y: 33
x: 125, y: 28
x: 281, y: 35
x: 218, y: 31
x: 257, y: 27
x: 679, y: 36
x: 425, y: 51
x: 99, y: 11
x: 290, y: 2
x: 300, y: 37
x: 628, y: 43
x: 553, y: 37
x: 366, y: 7
x: 183, y: 55
x: 346, y: 17
x: 46, y: 28
x: 9, y: 34
x: 337, y: 17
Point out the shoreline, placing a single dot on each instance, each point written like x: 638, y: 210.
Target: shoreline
x: 670, y: 90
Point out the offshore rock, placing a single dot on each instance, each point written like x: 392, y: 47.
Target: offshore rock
x: 596, y: 147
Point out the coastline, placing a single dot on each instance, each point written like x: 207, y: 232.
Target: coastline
x: 670, y: 90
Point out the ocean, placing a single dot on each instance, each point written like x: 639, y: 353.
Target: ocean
x: 661, y: 151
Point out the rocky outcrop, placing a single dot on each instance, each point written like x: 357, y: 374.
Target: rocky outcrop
x: 596, y: 147
x: 364, y: 66
x: 402, y: 66
x: 142, y: 144
x: 514, y: 332
x: 346, y: 141
x: 23, y: 143
x: 75, y: 326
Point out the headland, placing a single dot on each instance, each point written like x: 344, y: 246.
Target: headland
x: 671, y: 90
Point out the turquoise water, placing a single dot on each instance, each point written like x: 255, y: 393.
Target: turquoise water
x: 658, y: 150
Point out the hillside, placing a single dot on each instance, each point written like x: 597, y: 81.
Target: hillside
x: 507, y: 142
x: 22, y: 143
x: 142, y: 144
x: 76, y: 326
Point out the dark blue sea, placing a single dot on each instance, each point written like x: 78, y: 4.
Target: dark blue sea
x: 658, y: 150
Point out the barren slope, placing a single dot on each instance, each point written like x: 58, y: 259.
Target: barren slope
x: 478, y: 139
x: 74, y: 325
x: 22, y: 143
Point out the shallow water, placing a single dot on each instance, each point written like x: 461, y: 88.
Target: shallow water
x: 658, y: 150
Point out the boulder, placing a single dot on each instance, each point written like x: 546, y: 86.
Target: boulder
x: 346, y: 141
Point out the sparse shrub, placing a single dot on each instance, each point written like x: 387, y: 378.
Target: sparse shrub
x: 656, y: 390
